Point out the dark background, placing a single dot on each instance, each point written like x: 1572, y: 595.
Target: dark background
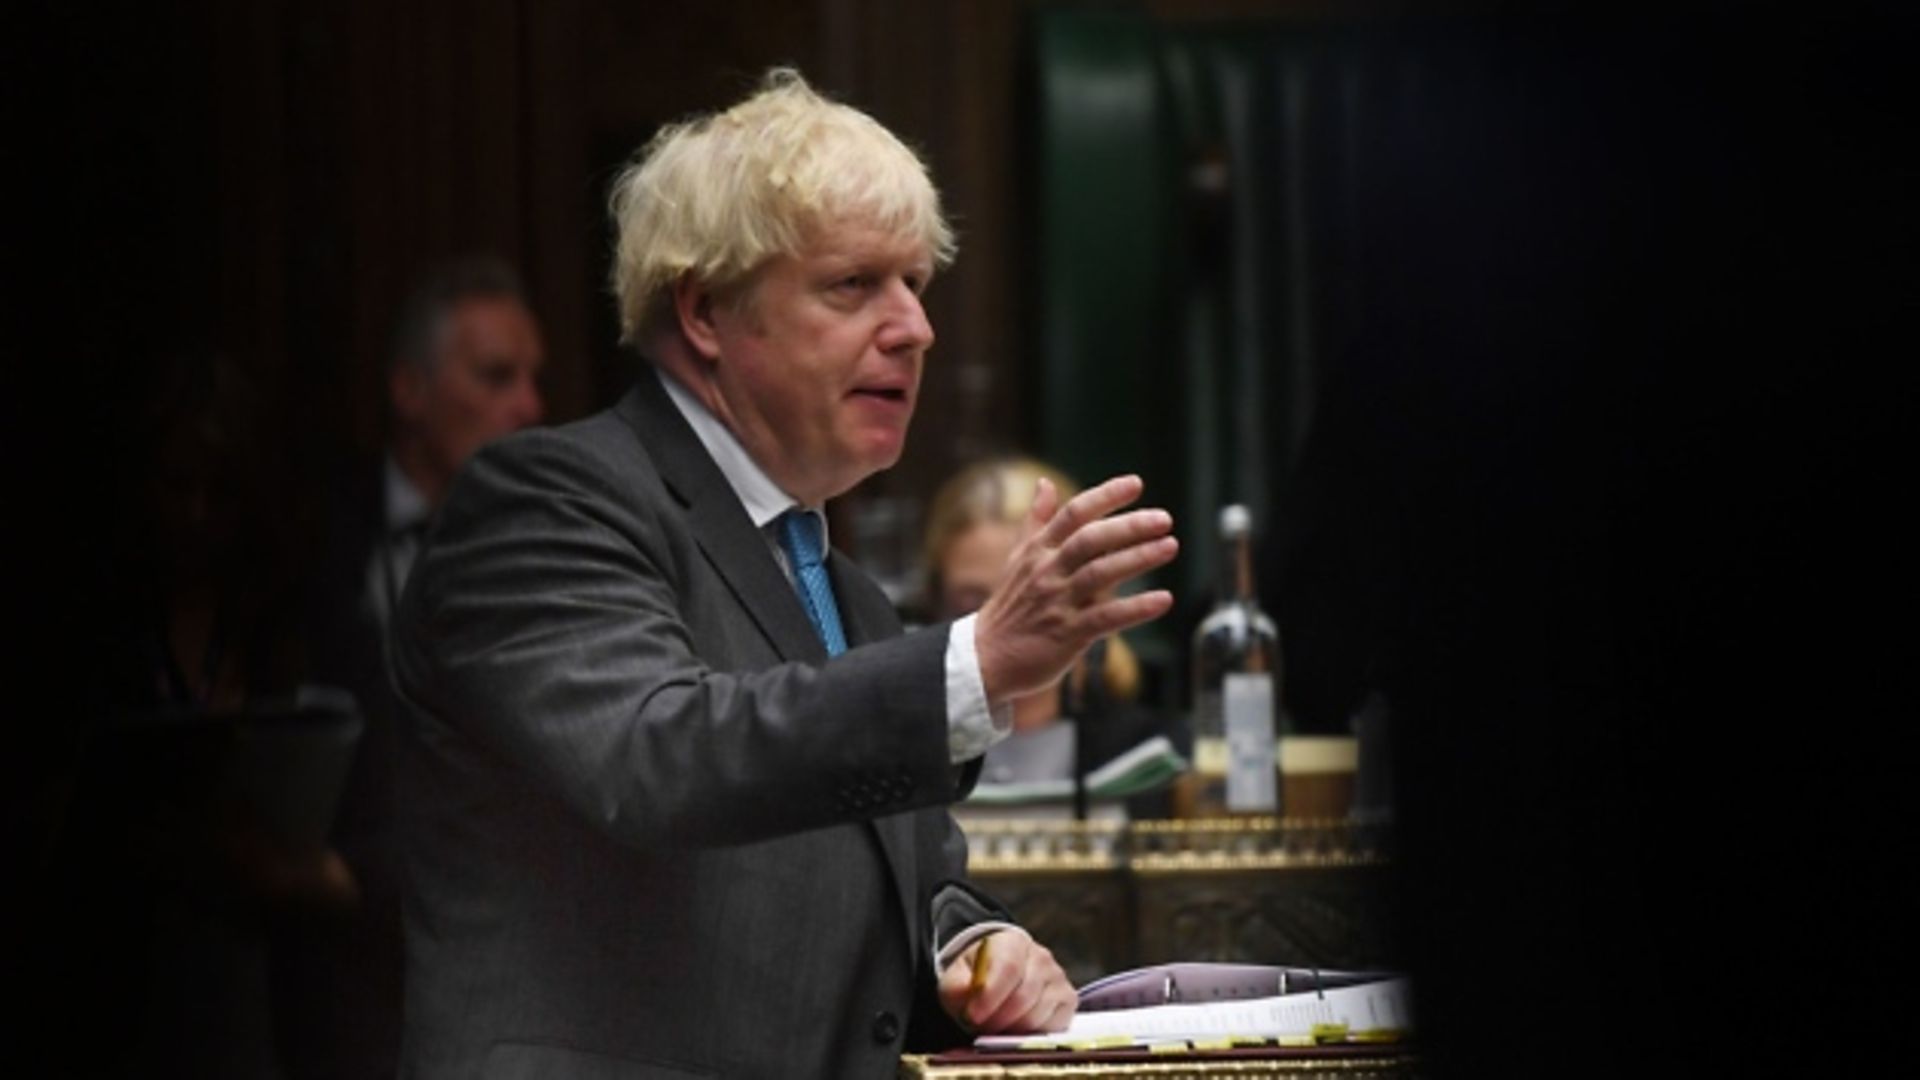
x: 1600, y: 479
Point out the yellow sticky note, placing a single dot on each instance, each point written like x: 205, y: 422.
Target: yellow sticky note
x: 1326, y: 1033
x: 1295, y: 1040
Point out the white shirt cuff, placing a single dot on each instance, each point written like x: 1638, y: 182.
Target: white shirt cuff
x: 959, y: 942
x: 971, y: 726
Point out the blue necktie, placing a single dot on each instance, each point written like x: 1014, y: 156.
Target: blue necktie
x: 800, y: 536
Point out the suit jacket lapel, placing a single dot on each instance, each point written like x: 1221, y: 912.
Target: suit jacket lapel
x: 737, y: 550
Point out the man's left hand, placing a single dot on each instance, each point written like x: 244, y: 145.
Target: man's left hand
x: 1024, y: 988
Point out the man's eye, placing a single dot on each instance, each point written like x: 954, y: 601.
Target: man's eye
x: 497, y: 377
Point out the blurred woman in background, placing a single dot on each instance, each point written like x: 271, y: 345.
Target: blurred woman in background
x: 972, y: 528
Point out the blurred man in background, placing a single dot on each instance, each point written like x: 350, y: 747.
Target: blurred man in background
x: 464, y: 370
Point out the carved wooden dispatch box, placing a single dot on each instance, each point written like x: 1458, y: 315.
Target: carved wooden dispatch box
x: 1106, y: 895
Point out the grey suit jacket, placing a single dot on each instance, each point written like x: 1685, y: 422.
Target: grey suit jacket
x: 650, y: 830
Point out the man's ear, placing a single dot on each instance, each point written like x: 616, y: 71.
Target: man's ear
x: 693, y: 307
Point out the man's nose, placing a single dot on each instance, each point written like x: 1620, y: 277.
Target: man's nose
x: 906, y: 326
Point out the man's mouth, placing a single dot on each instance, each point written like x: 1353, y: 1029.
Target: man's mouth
x: 896, y: 394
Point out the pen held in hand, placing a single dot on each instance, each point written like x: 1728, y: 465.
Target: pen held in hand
x: 979, y: 970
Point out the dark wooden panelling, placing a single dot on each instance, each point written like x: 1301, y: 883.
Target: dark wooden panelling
x: 335, y: 149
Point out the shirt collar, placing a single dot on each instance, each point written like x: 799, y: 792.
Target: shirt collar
x: 762, y: 498
x: 405, y: 506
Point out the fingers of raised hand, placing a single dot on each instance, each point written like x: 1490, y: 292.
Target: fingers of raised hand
x: 1046, y: 505
x: 1091, y: 505
x: 1111, y: 534
x: 1125, y: 612
x: 1096, y: 580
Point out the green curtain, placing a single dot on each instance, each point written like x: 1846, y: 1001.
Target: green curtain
x: 1198, y: 258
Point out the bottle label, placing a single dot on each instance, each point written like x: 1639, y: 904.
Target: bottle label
x: 1251, y: 766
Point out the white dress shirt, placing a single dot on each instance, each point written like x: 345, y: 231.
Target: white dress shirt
x: 404, y: 513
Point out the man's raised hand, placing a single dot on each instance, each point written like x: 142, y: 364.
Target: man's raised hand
x: 1057, y: 595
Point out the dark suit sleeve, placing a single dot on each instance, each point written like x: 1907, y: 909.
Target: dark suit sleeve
x: 952, y: 904
x: 560, y: 620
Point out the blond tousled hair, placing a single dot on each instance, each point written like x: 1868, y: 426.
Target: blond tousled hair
x: 718, y: 195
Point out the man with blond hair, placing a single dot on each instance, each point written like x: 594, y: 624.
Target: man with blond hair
x: 677, y: 804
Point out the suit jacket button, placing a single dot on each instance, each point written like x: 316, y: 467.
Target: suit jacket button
x: 886, y: 1027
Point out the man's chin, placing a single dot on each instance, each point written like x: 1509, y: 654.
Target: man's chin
x: 881, y: 447
x: 886, y: 457
x: 877, y: 459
